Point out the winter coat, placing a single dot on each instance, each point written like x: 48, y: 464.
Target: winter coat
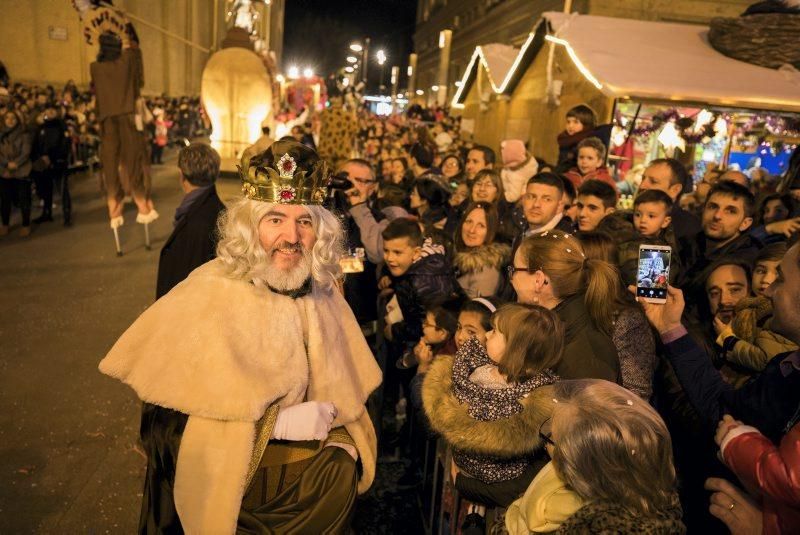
x: 489, y: 398
x: 15, y: 146
x: 516, y: 179
x: 769, y: 400
x: 51, y: 141
x: 748, y: 343
x: 509, y: 437
x: 769, y: 471
x: 546, y: 504
x: 428, y: 282
x: 588, y: 352
x: 574, y: 175
x: 480, y: 269
x: 606, y: 518
x: 193, y: 242
x: 636, y: 346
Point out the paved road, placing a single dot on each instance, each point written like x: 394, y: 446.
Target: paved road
x: 69, y: 462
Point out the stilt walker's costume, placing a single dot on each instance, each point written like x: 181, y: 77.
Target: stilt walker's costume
x: 118, y: 77
x: 217, y: 358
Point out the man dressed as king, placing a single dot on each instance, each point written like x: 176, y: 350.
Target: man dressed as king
x: 253, y: 371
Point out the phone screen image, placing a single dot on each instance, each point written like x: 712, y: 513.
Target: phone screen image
x: 653, y: 275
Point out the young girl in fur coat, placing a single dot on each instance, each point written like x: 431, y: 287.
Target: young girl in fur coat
x: 488, y: 403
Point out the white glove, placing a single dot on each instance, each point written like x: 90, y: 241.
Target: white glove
x: 306, y: 421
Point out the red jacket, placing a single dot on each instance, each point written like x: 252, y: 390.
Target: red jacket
x: 773, y: 473
x: 601, y: 174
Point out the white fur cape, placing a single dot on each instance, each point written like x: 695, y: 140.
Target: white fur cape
x: 222, y: 351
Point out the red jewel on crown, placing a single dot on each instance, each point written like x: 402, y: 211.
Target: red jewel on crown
x: 286, y: 166
x: 286, y: 194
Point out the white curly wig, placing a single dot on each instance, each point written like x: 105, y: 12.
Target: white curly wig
x: 241, y: 251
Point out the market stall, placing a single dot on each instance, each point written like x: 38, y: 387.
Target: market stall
x: 665, y: 88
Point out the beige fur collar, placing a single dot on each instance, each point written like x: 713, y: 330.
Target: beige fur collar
x: 507, y: 437
x: 495, y: 255
x: 222, y: 351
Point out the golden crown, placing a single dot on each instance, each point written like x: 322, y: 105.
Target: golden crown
x: 286, y: 173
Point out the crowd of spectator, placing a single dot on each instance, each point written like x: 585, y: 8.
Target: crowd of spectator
x: 48, y: 134
x: 495, y: 287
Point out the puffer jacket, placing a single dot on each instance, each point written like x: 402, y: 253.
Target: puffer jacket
x: 428, y: 282
x: 15, y: 146
x: 769, y: 471
x: 480, y: 269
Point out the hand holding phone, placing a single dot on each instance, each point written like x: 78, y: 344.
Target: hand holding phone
x: 652, y: 276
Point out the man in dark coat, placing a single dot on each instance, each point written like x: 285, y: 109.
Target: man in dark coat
x: 193, y: 242
x: 50, y: 151
x: 727, y: 217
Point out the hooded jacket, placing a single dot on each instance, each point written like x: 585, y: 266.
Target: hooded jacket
x: 480, y: 269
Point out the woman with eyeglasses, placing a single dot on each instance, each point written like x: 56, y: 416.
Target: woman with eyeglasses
x: 612, y: 468
x: 452, y: 169
x: 488, y: 187
x: 551, y: 269
x: 479, y: 259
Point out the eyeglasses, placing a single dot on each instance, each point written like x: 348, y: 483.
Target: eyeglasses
x: 546, y: 433
x: 513, y: 269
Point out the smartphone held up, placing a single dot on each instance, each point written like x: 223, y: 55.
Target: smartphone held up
x: 652, y: 277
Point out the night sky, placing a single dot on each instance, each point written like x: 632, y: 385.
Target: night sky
x: 318, y: 34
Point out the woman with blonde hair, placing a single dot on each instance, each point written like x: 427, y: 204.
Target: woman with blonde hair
x: 612, y: 469
x: 551, y: 269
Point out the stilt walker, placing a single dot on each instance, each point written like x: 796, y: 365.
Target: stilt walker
x: 118, y: 76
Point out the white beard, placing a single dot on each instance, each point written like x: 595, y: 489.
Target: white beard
x: 286, y: 279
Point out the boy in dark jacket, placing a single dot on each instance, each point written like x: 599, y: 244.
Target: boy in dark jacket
x: 420, y: 276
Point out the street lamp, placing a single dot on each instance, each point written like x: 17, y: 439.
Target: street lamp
x: 351, y: 59
x: 381, y: 57
x: 356, y: 47
x: 308, y: 72
x: 294, y: 72
x: 348, y: 69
